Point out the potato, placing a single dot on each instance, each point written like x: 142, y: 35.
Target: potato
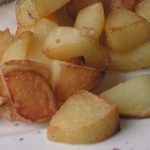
x: 61, y: 17
x: 111, y: 4
x: 125, y: 31
x: 46, y: 7
x: 18, y: 49
x: 83, y: 119
x: 91, y: 20
x: 6, y: 40
x: 74, y: 6
x: 136, y: 59
x: 131, y: 97
x: 68, y: 78
x: 30, y: 93
x: 26, y: 12
x: 142, y: 9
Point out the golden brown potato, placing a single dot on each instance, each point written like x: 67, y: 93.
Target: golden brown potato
x: 74, y: 6
x: 131, y: 97
x: 5, y: 40
x: 84, y: 118
x: 61, y: 17
x: 142, y: 9
x: 18, y: 49
x: 68, y: 78
x: 91, y: 20
x: 125, y: 31
x: 136, y: 59
x: 30, y: 93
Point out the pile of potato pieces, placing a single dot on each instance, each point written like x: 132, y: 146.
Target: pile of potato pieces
x: 66, y: 46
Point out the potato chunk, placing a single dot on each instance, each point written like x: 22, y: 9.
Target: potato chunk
x: 68, y: 78
x: 125, y: 30
x: 142, y: 9
x: 131, y: 97
x: 91, y: 20
x: 84, y: 119
x: 136, y: 59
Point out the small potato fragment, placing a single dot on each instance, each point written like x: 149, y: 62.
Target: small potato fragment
x: 5, y: 40
x: 68, y: 78
x: 131, y: 97
x: 136, y: 59
x: 18, y: 49
x: 74, y: 6
x: 126, y: 31
x: 30, y: 94
x: 26, y: 13
x: 83, y: 119
x: 142, y: 9
x: 46, y: 7
x: 91, y: 20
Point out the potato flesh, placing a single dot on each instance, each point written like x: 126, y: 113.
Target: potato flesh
x: 84, y: 118
x: 136, y: 59
x: 131, y: 97
x: 125, y: 31
x: 142, y: 9
x: 91, y: 19
x: 18, y: 49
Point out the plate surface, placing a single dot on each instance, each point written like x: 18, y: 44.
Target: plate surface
x: 134, y: 134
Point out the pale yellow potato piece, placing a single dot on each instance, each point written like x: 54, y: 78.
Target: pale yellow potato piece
x: 74, y: 6
x: 46, y: 7
x: 136, y: 59
x: 18, y: 49
x: 131, y: 97
x: 83, y: 119
x: 5, y: 40
x: 68, y: 78
x: 91, y: 20
x: 142, y: 9
x: 125, y: 30
x: 26, y: 12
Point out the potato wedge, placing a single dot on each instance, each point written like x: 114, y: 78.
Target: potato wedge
x: 18, y: 49
x: 131, y: 97
x: 74, y: 6
x: 91, y: 20
x: 30, y: 93
x: 46, y: 7
x: 84, y: 118
x: 68, y: 78
x: 136, y: 59
x: 126, y: 31
x: 142, y: 9
x: 6, y: 40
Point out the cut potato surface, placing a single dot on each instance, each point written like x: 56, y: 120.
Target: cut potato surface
x: 125, y: 30
x: 68, y: 78
x: 84, y: 118
x: 30, y: 94
x: 131, y: 97
x: 136, y: 59
x: 90, y: 20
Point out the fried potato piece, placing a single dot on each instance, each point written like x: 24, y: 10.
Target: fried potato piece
x: 74, y: 6
x: 18, y: 49
x: 83, y: 119
x: 131, y: 97
x: 91, y: 20
x: 126, y: 31
x: 136, y: 59
x: 6, y: 40
x: 142, y: 9
x: 30, y: 94
x: 68, y: 78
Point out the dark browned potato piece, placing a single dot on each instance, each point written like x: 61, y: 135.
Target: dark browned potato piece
x: 30, y: 94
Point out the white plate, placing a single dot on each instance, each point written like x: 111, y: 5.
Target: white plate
x: 134, y: 134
